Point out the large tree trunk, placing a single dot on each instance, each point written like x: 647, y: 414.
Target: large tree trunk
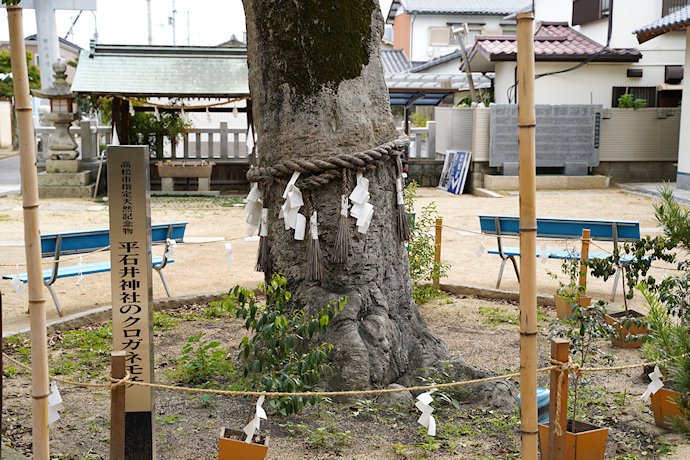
x: 318, y: 90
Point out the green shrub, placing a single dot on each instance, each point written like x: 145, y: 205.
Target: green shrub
x: 421, y: 248
x: 275, y: 358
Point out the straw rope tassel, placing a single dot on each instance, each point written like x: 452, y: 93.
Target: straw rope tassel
x: 262, y: 256
x: 341, y: 248
x: 403, y: 220
x: 314, y: 269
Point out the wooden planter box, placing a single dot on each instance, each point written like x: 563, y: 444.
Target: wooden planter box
x: 563, y: 308
x: 185, y: 169
x: 665, y: 407
x: 590, y: 441
x: 232, y: 446
x: 618, y: 337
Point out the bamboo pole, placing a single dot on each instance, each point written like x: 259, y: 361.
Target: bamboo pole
x: 584, y: 257
x: 437, y: 253
x: 32, y: 240
x: 528, y: 236
x: 117, y: 407
x: 560, y: 349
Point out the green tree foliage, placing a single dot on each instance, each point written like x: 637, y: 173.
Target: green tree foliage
x: 6, y: 84
x: 146, y: 127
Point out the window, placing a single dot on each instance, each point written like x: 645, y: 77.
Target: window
x: 671, y: 6
x: 586, y: 11
x: 439, y: 36
x: 639, y: 92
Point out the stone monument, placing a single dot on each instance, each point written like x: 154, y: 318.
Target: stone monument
x: 64, y: 176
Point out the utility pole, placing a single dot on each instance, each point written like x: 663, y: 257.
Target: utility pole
x: 46, y: 31
x: 148, y: 12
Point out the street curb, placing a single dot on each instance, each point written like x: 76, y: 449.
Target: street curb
x: 101, y: 314
x: 492, y: 294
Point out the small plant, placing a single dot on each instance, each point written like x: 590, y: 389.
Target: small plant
x: 419, y: 119
x: 275, y: 357
x: 421, y: 248
x: 201, y: 361
x: 628, y: 101
x: 583, y: 328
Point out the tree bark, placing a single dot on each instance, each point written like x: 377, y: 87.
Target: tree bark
x: 318, y: 90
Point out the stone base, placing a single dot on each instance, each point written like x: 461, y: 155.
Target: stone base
x: 510, y: 183
x: 80, y: 179
x: 66, y: 192
x: 63, y: 166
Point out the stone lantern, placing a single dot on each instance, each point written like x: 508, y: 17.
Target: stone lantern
x: 61, y: 144
x: 63, y: 176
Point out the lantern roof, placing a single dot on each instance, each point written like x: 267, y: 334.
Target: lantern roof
x: 60, y: 89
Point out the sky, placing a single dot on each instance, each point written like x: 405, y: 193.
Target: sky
x: 124, y: 22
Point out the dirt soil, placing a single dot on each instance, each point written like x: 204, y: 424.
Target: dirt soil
x: 483, y: 332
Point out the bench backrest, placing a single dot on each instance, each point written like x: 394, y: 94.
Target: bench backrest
x: 564, y: 228
x: 92, y: 240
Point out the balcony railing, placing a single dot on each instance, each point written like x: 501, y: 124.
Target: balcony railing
x: 671, y: 6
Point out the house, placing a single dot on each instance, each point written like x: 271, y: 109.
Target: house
x: 423, y: 29
x: 68, y: 51
x: 588, y: 46
x: 565, y: 57
x: 675, y: 22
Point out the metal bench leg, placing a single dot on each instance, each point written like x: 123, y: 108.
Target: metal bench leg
x: 165, y: 283
x: 515, y: 266
x: 615, y: 283
x: 500, y: 273
x: 53, y: 294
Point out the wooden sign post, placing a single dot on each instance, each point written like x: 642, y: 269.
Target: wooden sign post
x: 130, y: 257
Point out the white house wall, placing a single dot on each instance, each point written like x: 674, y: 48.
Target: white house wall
x: 591, y: 84
x: 420, y: 24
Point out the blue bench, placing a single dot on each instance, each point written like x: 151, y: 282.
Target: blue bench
x: 56, y: 245
x: 602, y: 230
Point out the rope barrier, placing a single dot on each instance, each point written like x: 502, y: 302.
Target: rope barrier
x: 181, y: 107
x: 47, y: 261
x: 323, y: 170
x: 555, y: 365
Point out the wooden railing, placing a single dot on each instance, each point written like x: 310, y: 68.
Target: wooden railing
x: 219, y: 144
x: 671, y: 6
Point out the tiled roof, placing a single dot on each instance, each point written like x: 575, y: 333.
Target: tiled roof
x: 680, y: 19
x: 439, y: 60
x: 395, y: 61
x: 497, y: 7
x: 162, y: 71
x: 553, y: 41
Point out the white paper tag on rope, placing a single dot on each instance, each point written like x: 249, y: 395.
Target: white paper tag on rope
x: 427, y: 420
x: 655, y: 385
x: 81, y: 275
x: 263, y: 229
x: 254, y: 193
x: 543, y: 254
x: 300, y: 227
x: 481, y: 249
x: 255, y: 424
x: 228, y: 255
x: 344, y: 205
x: 54, y: 404
x: 290, y: 184
x: 314, y: 226
x: 400, y: 194
x: 17, y: 284
x: 171, y: 245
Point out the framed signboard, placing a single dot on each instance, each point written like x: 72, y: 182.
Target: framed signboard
x: 455, y: 169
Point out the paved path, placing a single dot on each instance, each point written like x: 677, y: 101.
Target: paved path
x: 10, y: 178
